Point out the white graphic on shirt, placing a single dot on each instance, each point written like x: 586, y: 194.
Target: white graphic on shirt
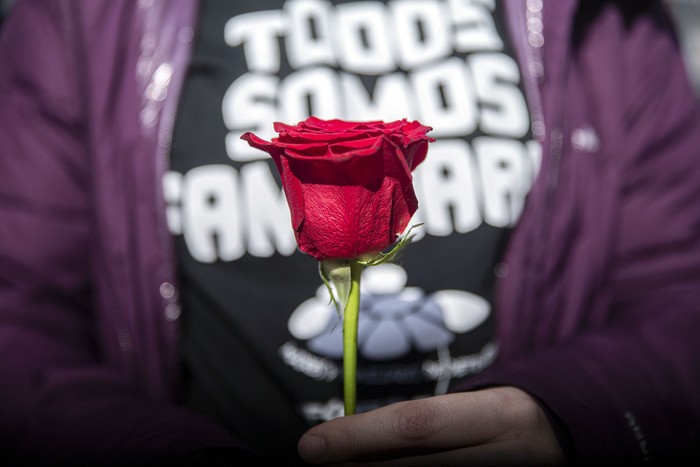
x: 407, y: 45
x: 224, y: 213
x: 394, y: 319
x: 409, y: 48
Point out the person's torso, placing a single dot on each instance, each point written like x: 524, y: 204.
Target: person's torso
x: 262, y: 343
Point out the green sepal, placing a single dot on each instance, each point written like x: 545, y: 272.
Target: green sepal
x: 337, y: 273
x: 392, y: 254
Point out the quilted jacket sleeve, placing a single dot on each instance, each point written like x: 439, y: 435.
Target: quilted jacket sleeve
x: 626, y: 388
x: 57, y: 398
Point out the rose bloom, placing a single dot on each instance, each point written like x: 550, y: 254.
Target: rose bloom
x: 348, y: 184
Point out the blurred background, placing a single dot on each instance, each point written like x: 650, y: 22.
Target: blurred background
x: 686, y: 14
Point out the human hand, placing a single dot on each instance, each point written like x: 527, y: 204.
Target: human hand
x: 496, y: 426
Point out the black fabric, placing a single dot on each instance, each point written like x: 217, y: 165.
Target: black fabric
x: 260, y: 338
x: 5, y: 6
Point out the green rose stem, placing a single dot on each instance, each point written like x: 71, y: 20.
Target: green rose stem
x: 350, y: 319
x: 342, y: 278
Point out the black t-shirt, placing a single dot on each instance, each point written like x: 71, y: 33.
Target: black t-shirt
x: 262, y: 344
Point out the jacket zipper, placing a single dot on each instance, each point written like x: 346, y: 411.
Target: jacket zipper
x: 179, y: 41
x: 124, y: 339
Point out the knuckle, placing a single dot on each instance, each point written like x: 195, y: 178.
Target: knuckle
x: 416, y: 420
x: 523, y: 412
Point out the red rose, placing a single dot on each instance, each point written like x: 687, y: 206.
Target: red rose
x: 348, y: 184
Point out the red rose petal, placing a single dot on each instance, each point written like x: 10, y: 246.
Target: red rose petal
x: 348, y: 184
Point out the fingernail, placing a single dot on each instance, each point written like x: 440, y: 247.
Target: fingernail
x: 312, y: 447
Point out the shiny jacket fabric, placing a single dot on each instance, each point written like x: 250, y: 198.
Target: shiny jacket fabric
x: 599, y: 311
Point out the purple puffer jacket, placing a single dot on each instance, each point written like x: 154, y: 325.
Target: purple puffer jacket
x: 599, y: 313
